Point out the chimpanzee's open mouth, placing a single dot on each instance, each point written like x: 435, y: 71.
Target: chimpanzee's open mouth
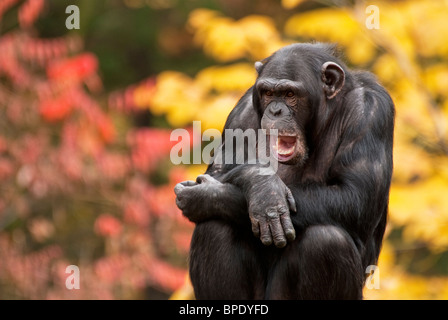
x: 284, y: 147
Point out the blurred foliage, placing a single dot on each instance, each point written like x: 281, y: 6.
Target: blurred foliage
x: 86, y: 117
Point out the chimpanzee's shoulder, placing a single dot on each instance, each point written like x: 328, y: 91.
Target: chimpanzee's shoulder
x: 243, y: 115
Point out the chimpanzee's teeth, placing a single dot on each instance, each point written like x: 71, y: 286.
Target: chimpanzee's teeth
x: 285, y: 151
x: 282, y: 150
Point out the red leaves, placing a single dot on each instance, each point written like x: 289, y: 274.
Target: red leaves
x: 73, y: 69
x: 106, y: 128
x: 148, y: 147
x: 165, y: 275
x: 134, y: 97
x: 107, y: 225
x: 136, y: 213
x: 44, y: 50
x: 6, y: 168
x: 61, y: 151
x: 114, y: 166
x: 29, y: 12
x: 138, y: 270
x: 56, y: 109
x: 5, y: 5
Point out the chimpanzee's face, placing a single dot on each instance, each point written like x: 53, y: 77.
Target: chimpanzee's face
x: 286, y: 88
x: 285, y: 108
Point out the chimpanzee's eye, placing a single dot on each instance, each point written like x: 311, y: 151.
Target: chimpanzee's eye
x: 268, y: 93
x: 290, y: 94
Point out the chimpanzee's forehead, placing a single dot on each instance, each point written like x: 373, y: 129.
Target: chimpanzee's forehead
x: 293, y: 66
x: 280, y: 85
x: 298, y: 62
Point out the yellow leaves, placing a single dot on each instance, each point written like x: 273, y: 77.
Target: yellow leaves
x: 289, y: 4
x: 215, y: 114
x: 176, y: 96
x: 324, y: 24
x: 425, y: 217
x: 226, y: 39
x: 429, y: 27
x: 194, y: 170
x: 387, y: 68
x: 143, y: 96
x: 185, y: 292
x: 415, y: 27
x: 261, y: 36
x: 209, y: 97
x: 412, y: 26
x: 200, y: 18
x: 444, y: 117
x: 410, y: 161
x: 387, y: 257
x: 413, y: 109
x: 401, y: 210
x: 395, y: 28
x: 436, y: 79
x: 395, y: 283
x: 236, y: 77
x: 223, y: 40
x: 219, y: 36
x: 360, y: 51
x: 334, y: 25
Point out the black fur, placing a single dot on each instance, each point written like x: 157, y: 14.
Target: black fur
x: 336, y: 197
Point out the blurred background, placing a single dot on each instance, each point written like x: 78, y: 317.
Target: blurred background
x: 86, y: 116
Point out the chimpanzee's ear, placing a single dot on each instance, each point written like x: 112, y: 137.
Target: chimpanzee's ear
x: 258, y: 66
x: 333, y: 77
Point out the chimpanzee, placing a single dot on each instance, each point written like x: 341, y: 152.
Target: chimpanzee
x: 324, y: 209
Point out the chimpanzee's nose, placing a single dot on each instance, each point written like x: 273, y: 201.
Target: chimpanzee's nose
x: 275, y: 109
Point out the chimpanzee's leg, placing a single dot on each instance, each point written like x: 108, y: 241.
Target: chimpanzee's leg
x: 322, y: 263
x: 224, y: 263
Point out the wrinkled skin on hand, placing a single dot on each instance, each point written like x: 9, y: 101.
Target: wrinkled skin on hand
x: 270, y: 202
x: 195, y: 197
x: 207, y: 198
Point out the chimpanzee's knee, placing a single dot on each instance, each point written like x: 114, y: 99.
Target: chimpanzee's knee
x: 323, y: 263
x: 331, y: 266
x: 223, y: 263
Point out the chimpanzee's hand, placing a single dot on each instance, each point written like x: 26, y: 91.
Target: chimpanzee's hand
x: 195, y: 198
x: 270, y: 202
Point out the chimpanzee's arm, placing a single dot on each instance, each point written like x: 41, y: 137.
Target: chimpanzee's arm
x: 207, y: 198
x: 210, y: 197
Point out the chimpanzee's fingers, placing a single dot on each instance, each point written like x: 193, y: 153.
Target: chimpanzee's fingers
x: 255, y: 227
x: 276, y: 230
x: 204, y: 178
x: 182, y: 185
x: 291, y: 201
x: 178, y: 188
x: 288, y: 227
x: 189, y: 183
x: 265, y: 233
x: 179, y: 204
